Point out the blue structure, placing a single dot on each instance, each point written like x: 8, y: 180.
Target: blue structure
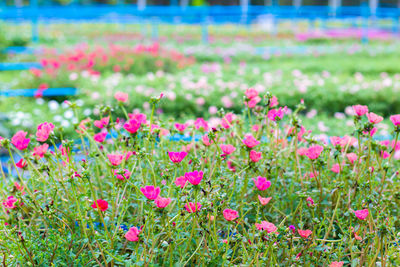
x: 141, y: 13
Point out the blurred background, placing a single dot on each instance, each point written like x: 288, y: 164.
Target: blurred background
x: 201, y: 54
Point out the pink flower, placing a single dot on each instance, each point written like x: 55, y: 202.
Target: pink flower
x: 371, y: 132
x: 180, y: 181
x: 227, y: 149
x: 352, y: 157
x: 132, y: 234
x: 262, y: 183
x: 200, y: 123
x: 9, y: 203
x: 251, y: 93
x: 373, y: 118
x: 273, y: 114
x: 304, y: 233
x: 100, y: 137
x: 253, y: 102
x: 115, y: 159
x: 180, y: 127
x: 177, y: 157
x: 255, y: 156
x: 230, y: 215
x: 191, y: 207
x: 264, y: 200
x: 314, y: 151
x: 122, y: 174
x: 206, y: 140
x: 194, y: 177
x: 395, y: 119
x: 100, y: 204
x: 162, y: 202
x: 310, y: 202
x: 336, y: 168
x: 140, y: 117
x: 102, y: 123
x: 21, y: 163
x: 361, y: 214
x: 385, y: 154
x: 39, y: 151
x: 360, y: 109
x: 150, y: 192
x: 302, y: 151
x: 266, y: 226
x: 132, y: 125
x: 121, y: 97
x: 250, y: 141
x: 336, y: 264
x: 43, y: 131
x: 335, y: 140
x: 273, y: 102
x: 227, y: 120
x: 19, y: 140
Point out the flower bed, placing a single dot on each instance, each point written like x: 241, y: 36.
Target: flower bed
x: 57, y: 68
x: 256, y: 189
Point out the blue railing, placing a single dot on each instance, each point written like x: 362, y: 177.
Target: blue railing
x: 171, y: 14
x: 204, y: 15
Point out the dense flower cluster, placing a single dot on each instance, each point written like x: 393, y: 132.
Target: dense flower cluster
x: 248, y: 189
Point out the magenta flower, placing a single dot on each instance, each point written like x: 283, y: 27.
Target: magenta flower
x: 273, y: 114
x: 132, y: 125
x: 115, y: 159
x: 19, y: 140
x: 266, y: 226
x: 230, y: 215
x: 177, y: 157
x: 314, y: 151
x: 9, y: 203
x: 162, y: 202
x: 180, y: 181
x: 43, y: 131
x: 150, y: 192
x: 264, y: 200
x: 304, y: 233
x: 227, y: 149
x: 361, y: 214
x: 262, y: 183
x: 360, y: 110
x: 310, y: 202
x: 194, y: 177
x: 21, y: 163
x: 39, y: 151
x: 250, y: 141
x: 191, y: 207
x: 100, y: 204
x: 255, y: 156
x: 180, y: 126
x: 395, y: 119
x: 122, y: 175
x: 100, y: 137
x: 132, y: 234
x: 121, y: 97
x: 373, y: 118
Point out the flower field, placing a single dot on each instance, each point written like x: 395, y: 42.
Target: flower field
x: 178, y: 154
